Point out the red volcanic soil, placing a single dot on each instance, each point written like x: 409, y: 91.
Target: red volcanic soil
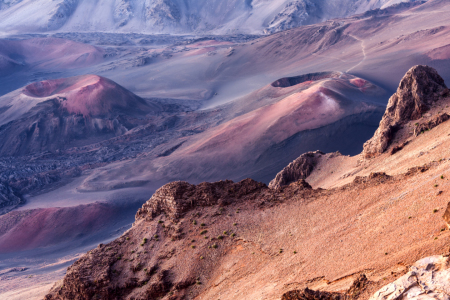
x: 24, y: 230
x: 306, y: 102
x: 51, y: 53
x: 88, y: 95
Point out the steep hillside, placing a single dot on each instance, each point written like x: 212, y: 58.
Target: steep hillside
x: 246, y: 241
x: 175, y: 16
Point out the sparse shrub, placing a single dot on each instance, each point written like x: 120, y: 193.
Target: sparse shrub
x: 234, y: 224
x: 192, y: 241
x: 435, y: 185
x: 201, y: 257
x: 225, y: 233
x: 194, y: 222
x: 295, y: 252
x: 409, y: 217
x: 127, y: 238
x: 203, y: 224
x: 233, y: 234
x: 436, y: 238
x: 214, y: 246
x: 193, y: 246
x: 203, y: 232
x: 443, y: 229
x: 160, y: 221
x: 132, y: 251
x: 281, y: 251
x: 435, y: 210
x: 442, y: 176
x: 385, y: 253
x: 156, y: 236
x: 220, y: 237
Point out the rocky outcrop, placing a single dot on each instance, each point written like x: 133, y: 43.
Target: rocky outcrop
x: 164, y: 255
x: 358, y: 286
x: 429, y: 278
x: 176, y: 198
x: 419, y: 89
x: 9, y: 198
x: 422, y: 127
x: 300, y: 168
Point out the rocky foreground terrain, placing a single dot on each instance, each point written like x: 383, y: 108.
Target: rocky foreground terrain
x: 313, y: 234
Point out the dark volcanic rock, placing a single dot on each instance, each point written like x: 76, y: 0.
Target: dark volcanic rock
x: 419, y: 89
x: 420, y: 128
x: 300, y: 168
x: 9, y: 198
x: 353, y: 292
x: 308, y: 294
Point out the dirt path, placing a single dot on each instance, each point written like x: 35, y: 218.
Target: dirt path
x: 363, y: 49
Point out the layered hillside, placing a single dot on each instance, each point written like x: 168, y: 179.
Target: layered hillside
x: 293, y: 241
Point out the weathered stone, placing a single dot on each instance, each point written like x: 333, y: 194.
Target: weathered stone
x: 176, y: 198
x: 420, y: 128
x: 429, y: 278
x: 353, y: 292
x: 300, y: 168
x: 419, y: 89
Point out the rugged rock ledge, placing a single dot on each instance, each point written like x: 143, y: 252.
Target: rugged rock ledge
x: 300, y: 168
x: 418, y: 90
x: 176, y: 198
x: 429, y: 278
x: 358, y: 286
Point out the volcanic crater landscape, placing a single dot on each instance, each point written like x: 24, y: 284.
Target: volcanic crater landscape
x: 287, y: 150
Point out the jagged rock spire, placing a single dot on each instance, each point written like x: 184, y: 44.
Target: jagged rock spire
x: 418, y: 90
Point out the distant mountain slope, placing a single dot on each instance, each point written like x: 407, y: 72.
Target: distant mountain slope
x: 176, y: 16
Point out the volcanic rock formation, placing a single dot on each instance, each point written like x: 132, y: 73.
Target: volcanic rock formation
x: 428, y: 278
x: 418, y: 90
x: 358, y: 286
x: 9, y: 198
x: 300, y: 168
x: 56, y: 114
x: 153, y: 273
